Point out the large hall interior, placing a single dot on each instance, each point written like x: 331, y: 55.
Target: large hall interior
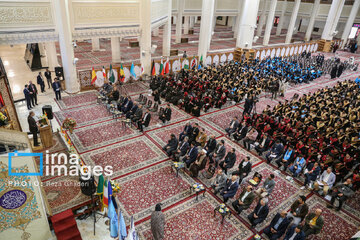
x: 179, y: 119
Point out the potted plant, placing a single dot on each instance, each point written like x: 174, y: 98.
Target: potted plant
x: 69, y: 124
x: 3, y: 119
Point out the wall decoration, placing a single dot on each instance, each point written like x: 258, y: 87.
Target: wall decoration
x: 223, y: 58
x: 176, y: 66
x: 283, y: 52
x: 278, y: 51
x: 208, y: 60
x: 216, y: 59
x: 272, y: 53
x: 230, y: 57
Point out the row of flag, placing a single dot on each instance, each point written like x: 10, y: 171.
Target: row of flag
x: 117, y: 222
x: 111, y: 74
x: 165, y: 70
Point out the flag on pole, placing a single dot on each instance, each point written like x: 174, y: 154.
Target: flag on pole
x: 142, y: 69
x: 106, y: 194
x: 93, y: 76
x: 132, y: 231
x: 153, y: 71
x: 167, y: 66
x: 186, y: 66
x: 113, y: 220
x: 111, y: 75
x: 132, y: 70
x: 100, y: 187
x: 104, y: 73
x: 193, y: 63
x: 122, y: 226
x: 200, y: 62
x: 122, y: 73
x: 161, y: 68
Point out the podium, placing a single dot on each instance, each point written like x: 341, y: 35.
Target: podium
x: 46, y: 135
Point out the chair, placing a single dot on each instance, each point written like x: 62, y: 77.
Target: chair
x: 149, y: 104
x: 140, y: 98
x: 154, y: 108
x: 255, y: 180
x: 144, y: 101
x: 161, y: 111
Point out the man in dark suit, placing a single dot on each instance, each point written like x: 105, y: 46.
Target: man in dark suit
x: 210, y: 145
x: 166, y: 116
x: 248, y: 104
x: 245, y: 199
x: 114, y: 95
x: 187, y: 131
x: 264, y: 143
x: 229, y: 160
x: 48, y: 77
x: 57, y: 89
x: 219, y: 152
x: 195, y: 131
x: 234, y: 124
x: 260, y: 212
x: 33, y: 127
x: 144, y: 122
x: 191, y: 156
x: 314, y: 222
x: 230, y: 188
x: 298, y: 210
x: 27, y: 97
x: 132, y: 111
x: 138, y: 114
x: 277, y: 226
x: 241, y: 133
x: 33, y: 93
x: 182, y: 149
x: 127, y: 106
x: 171, y: 145
x: 275, y: 151
x: 313, y: 171
x: 295, y: 232
x: 41, y: 82
x: 244, y: 169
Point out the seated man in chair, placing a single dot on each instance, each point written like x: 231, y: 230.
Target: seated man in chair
x: 260, y: 212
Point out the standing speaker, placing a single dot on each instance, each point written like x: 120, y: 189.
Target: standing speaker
x: 88, y: 187
x: 48, y: 110
x: 59, y: 72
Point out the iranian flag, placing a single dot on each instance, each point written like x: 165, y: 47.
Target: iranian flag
x: 161, y: 68
x: 93, y: 76
x: 106, y: 194
x: 104, y: 73
x: 167, y: 66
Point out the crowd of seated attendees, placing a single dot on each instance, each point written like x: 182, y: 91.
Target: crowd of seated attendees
x: 212, y: 86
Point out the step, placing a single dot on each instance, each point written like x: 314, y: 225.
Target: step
x: 63, y: 225
x: 70, y: 234
x: 61, y: 216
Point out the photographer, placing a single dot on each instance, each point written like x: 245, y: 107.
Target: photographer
x: 249, y: 102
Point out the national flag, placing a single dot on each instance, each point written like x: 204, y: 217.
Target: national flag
x: 93, y: 76
x: 122, y: 226
x: 132, y: 70
x: 114, y: 226
x: 142, y: 69
x: 122, y: 73
x: 104, y: 72
x: 186, y: 66
x: 132, y: 231
x: 106, y: 194
x: 161, y: 68
x: 193, y: 63
x: 111, y: 77
x: 167, y: 66
x: 200, y: 62
x: 100, y: 187
x: 153, y: 71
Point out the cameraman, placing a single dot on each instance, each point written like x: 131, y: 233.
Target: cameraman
x: 249, y: 102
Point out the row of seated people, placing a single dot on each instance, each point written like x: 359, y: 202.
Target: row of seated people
x: 196, y: 151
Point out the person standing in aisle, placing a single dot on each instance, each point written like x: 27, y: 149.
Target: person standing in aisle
x: 40, y: 81
x: 57, y: 89
x: 48, y: 77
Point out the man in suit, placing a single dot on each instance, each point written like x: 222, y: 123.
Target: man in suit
x: 295, y: 232
x: 114, y: 95
x: 275, y: 151
x: 287, y: 159
x: 241, y: 133
x: 229, y: 160
x: 171, y: 145
x: 190, y: 157
x: 127, y: 106
x: 166, y: 116
x: 33, y: 127
x: 313, y: 170
x: 219, y: 182
x: 248, y: 104
x: 195, y: 131
x: 182, y: 149
x: 48, y: 77
x: 27, y: 97
x: 298, y: 210
x: 342, y: 191
x: 33, y: 93
x: 234, y: 124
x: 277, y: 226
x: 314, y: 222
x: 132, y: 111
x: 244, y: 169
x: 245, y: 199
x: 144, y: 122
x: 186, y: 132
x: 210, y: 145
x: 264, y: 143
x: 41, y: 82
x: 230, y: 188
x: 138, y: 114
x: 267, y: 188
x: 260, y: 212
x: 327, y: 180
x: 57, y: 89
x: 219, y: 152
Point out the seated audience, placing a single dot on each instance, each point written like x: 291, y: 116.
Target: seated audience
x: 312, y: 172
x: 201, y: 138
x: 234, y: 124
x: 166, y: 116
x: 244, y: 169
x: 267, y: 188
x: 182, y: 149
x: 260, y: 212
x: 341, y: 192
x: 298, y: 210
x: 186, y: 132
x: 278, y: 226
x: 326, y: 181
x: 287, y: 159
x: 229, y: 160
x: 295, y: 232
x: 219, y: 181
x: 297, y: 166
x: 230, y: 188
x: 144, y: 122
x: 198, y: 165
x: 191, y: 155
x: 210, y: 145
x: 275, y: 151
x: 313, y: 223
x: 245, y: 199
x: 219, y: 153
x: 171, y: 146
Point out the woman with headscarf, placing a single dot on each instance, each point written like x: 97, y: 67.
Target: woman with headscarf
x: 157, y: 223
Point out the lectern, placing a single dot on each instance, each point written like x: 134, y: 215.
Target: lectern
x: 46, y: 135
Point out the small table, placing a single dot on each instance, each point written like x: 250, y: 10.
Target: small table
x: 116, y: 114
x: 198, y: 188
x: 223, y: 210
x: 178, y: 166
x: 126, y: 122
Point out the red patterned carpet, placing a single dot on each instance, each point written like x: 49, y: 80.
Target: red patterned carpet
x: 144, y: 173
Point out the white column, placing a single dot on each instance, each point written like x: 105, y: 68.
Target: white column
x: 238, y: 17
x: 186, y: 24
x: 66, y: 46
x: 207, y: 16
x: 95, y: 43
x: 262, y: 18
x: 313, y: 15
x: 167, y: 32
x: 51, y: 55
x: 247, y: 24
x: 196, y: 19
x: 115, y: 49
x: 269, y: 22
x: 350, y: 22
x: 292, y: 21
x: 156, y: 32
x: 179, y: 17
x: 332, y: 19
x: 145, y: 37
x: 192, y: 21
x: 282, y: 18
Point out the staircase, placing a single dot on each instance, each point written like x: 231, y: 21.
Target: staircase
x: 65, y: 226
